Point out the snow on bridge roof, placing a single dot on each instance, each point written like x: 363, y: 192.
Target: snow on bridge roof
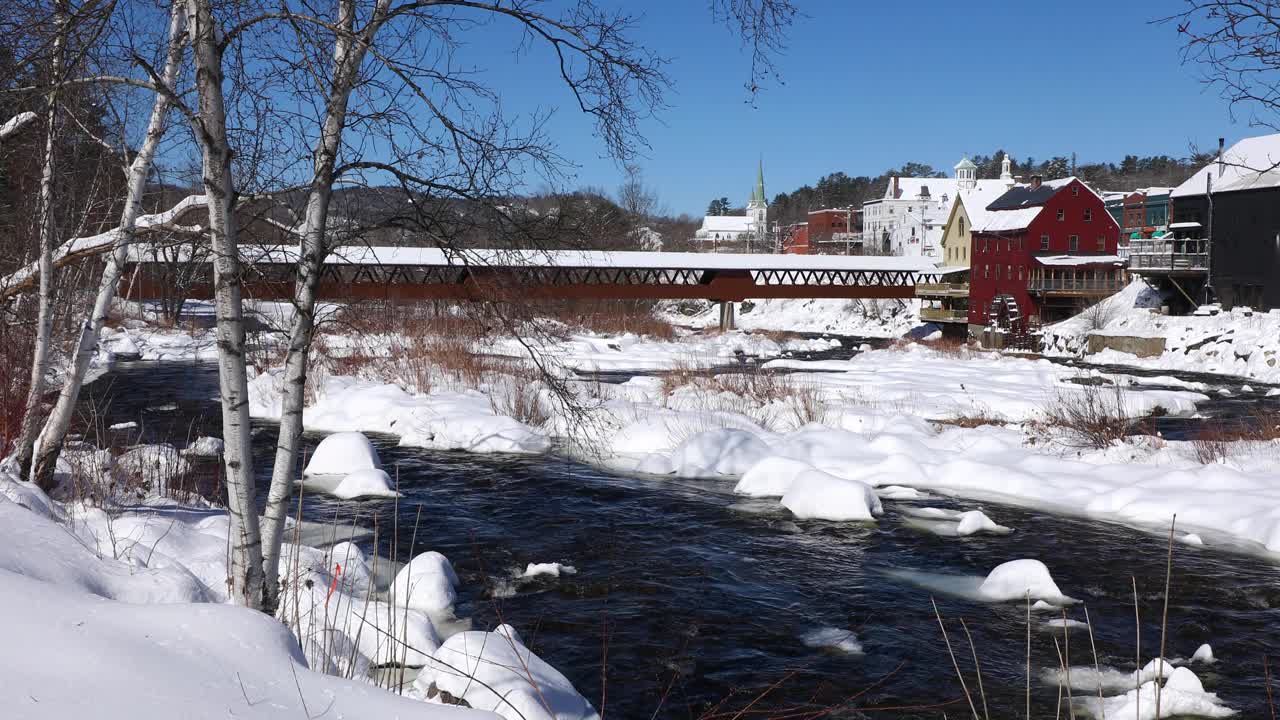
x: 363, y: 255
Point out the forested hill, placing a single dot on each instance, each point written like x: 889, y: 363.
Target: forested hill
x: 841, y: 190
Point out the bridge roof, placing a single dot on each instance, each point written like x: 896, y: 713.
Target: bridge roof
x: 625, y: 259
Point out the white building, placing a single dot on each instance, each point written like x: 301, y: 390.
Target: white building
x: 736, y: 228
x: 909, y: 219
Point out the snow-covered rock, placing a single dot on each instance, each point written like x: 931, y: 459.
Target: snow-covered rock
x: 1183, y: 695
x: 153, y: 465
x: 975, y: 521
x: 204, y: 446
x: 427, y: 583
x: 819, y: 495
x: 771, y: 477
x: 724, y: 451
x: 343, y: 453
x: 370, y: 482
x: 512, y: 681
x: 1203, y: 654
x: 1016, y: 579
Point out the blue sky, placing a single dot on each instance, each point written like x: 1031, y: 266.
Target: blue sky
x: 870, y: 86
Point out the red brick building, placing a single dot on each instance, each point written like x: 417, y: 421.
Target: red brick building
x: 795, y: 239
x: 1044, y: 251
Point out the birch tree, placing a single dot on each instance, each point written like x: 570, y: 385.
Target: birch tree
x: 44, y: 312
x: 51, y: 438
x: 209, y: 122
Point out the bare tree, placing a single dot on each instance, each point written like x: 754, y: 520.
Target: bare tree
x: 51, y: 438
x: 1237, y: 42
x: 44, y: 313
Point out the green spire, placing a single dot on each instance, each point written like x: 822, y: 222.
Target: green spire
x: 757, y: 195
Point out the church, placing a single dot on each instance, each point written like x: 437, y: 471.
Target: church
x: 739, y: 228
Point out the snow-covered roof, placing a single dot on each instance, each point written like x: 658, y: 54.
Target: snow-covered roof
x: 726, y: 223
x: 966, y: 164
x: 1250, y: 164
x: 365, y: 255
x: 1074, y: 260
x: 1189, y: 225
x: 977, y: 199
x: 1006, y: 220
x: 910, y: 188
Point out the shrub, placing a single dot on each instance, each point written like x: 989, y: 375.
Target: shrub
x: 1093, y: 416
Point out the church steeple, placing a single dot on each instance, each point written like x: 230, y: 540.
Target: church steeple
x: 757, y: 195
x: 758, y: 206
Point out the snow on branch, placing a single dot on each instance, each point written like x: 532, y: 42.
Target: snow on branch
x: 14, y: 124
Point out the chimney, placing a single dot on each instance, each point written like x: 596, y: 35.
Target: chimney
x: 895, y: 186
x: 1221, y: 143
x: 1036, y: 180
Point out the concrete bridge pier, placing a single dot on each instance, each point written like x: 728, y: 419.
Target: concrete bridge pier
x: 728, y: 311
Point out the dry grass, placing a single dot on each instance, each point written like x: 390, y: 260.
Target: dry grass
x: 520, y: 397
x: 608, y: 317
x: 1092, y: 417
x: 971, y: 421
x: 1221, y: 441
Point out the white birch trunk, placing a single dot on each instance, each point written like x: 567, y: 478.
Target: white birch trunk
x: 210, y: 125
x: 44, y: 311
x: 49, y: 445
x: 347, y: 58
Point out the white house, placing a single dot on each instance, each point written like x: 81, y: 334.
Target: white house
x: 910, y: 217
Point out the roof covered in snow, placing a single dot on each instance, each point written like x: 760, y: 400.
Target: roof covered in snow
x: 1251, y: 164
x: 911, y: 188
x: 367, y: 255
x: 977, y: 199
x: 726, y: 223
x: 1017, y: 208
x: 1076, y: 260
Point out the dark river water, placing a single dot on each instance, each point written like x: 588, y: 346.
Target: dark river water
x: 689, y: 601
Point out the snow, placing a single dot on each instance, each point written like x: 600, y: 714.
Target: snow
x: 975, y: 521
x: 343, y: 453
x: 1183, y: 695
x: 845, y: 641
x: 204, y: 446
x: 725, y: 451
x: 771, y: 477
x: 1191, y: 539
x: 818, y: 495
x: 142, y: 602
x: 425, y: 583
x: 553, y: 569
x: 1006, y: 220
x: 123, y: 426
x: 155, y: 466
x: 1249, y: 164
x: 494, y: 671
x: 1017, y: 579
x: 15, y: 123
x: 865, y: 318
x: 1204, y: 654
x: 444, y: 421
x: 1077, y: 260
x: 952, y: 523
x: 1238, y: 343
x: 370, y: 482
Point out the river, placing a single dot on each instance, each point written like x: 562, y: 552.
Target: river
x: 687, y: 596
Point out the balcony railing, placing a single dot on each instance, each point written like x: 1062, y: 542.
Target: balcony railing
x: 942, y: 289
x: 1080, y: 285
x: 1171, y: 255
x: 943, y: 315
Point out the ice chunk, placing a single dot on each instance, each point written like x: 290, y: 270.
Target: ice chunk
x: 425, y: 583
x: 816, y: 494
x: 371, y: 482
x: 771, y: 477
x: 554, y: 569
x: 341, y: 454
x: 835, y: 638
x: 1191, y: 539
x: 1016, y: 579
x: 513, y: 681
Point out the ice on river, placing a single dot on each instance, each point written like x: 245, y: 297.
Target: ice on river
x: 845, y: 641
x: 952, y: 523
x: 1013, y: 580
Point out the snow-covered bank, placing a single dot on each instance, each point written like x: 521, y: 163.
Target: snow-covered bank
x: 145, y: 612
x: 1240, y: 342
